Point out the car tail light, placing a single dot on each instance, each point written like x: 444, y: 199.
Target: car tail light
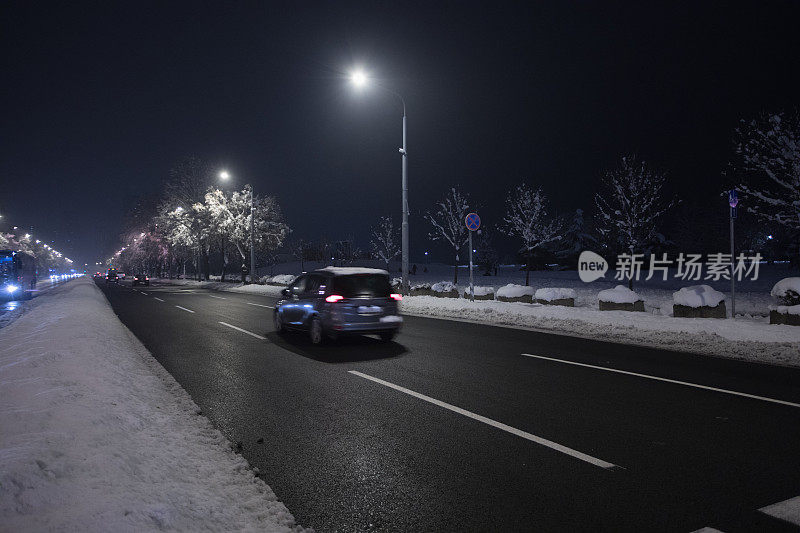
x: 397, y: 297
x: 146, y: 278
x: 333, y: 298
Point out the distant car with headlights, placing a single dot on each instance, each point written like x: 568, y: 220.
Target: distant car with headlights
x: 17, y: 274
x: 120, y: 275
x: 111, y: 276
x: 336, y: 301
x: 141, y: 279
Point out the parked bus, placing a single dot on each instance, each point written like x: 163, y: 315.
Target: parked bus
x: 17, y: 274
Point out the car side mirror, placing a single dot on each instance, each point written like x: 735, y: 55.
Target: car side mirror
x: 285, y: 292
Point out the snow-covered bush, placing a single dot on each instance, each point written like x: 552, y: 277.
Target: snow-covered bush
x: 697, y: 296
x: 515, y: 291
x: 280, y: 279
x: 787, y: 291
x: 620, y: 298
x: 443, y: 286
x: 555, y: 296
x: 481, y: 292
x: 618, y: 295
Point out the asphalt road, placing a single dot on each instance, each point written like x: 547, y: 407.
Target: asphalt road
x: 452, y: 428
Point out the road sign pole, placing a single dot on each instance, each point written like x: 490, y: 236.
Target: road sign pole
x: 471, y: 284
x: 733, y: 261
x: 473, y: 222
x: 733, y: 201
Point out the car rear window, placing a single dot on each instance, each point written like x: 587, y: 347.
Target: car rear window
x: 362, y: 285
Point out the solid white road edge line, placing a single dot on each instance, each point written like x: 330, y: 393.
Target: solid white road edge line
x: 179, y: 307
x: 499, y: 425
x: 787, y: 510
x: 142, y: 292
x: 667, y: 380
x: 261, y: 305
x: 218, y: 297
x: 244, y: 331
x: 157, y: 298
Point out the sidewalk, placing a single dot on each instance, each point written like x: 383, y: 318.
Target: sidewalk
x: 96, y: 436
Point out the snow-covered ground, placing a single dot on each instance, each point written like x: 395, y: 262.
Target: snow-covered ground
x: 749, y: 337
x: 96, y: 436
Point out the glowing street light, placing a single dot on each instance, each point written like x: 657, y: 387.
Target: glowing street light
x: 359, y: 80
x: 224, y: 176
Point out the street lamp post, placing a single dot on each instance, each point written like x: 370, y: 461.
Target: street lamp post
x: 359, y: 79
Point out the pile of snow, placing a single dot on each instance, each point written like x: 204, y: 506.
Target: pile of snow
x: 697, y: 296
x: 515, y: 291
x: 753, y: 339
x: 443, y: 286
x: 784, y: 288
x: 480, y: 290
x: 548, y: 294
x: 618, y: 295
x: 97, y: 436
x: 344, y: 271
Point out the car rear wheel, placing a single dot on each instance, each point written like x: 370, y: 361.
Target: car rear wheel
x: 278, y: 322
x: 315, y: 331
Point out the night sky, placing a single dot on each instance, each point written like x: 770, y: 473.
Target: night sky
x: 101, y: 99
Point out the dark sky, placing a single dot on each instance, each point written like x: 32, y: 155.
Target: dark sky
x: 101, y: 99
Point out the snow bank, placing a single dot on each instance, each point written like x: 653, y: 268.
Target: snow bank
x: 618, y: 295
x: 480, y: 290
x: 782, y: 288
x: 697, y: 296
x: 548, y: 294
x: 751, y: 339
x: 514, y: 291
x: 97, y: 436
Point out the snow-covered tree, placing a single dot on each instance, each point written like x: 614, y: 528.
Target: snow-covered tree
x: 630, y: 205
x: 383, y: 240
x: 575, y: 238
x: 231, y: 216
x: 448, y: 222
x: 527, y: 219
x: 487, y: 257
x: 769, y: 152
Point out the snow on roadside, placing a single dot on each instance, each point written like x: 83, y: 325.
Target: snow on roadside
x: 751, y: 339
x: 96, y: 436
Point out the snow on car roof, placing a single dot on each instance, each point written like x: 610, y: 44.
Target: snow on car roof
x: 344, y: 271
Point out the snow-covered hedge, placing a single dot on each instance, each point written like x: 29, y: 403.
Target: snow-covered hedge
x: 280, y: 279
x: 620, y: 298
x: 444, y: 289
x: 515, y: 291
x: 787, y: 291
x: 698, y: 296
x: 551, y: 294
x: 481, y: 292
x: 618, y: 295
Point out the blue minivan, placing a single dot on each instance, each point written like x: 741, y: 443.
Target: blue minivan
x: 335, y: 301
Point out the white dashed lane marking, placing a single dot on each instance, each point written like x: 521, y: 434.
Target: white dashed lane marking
x: 787, y: 510
x: 257, y: 336
x: 667, y: 380
x: 260, y: 305
x: 189, y: 310
x: 499, y: 425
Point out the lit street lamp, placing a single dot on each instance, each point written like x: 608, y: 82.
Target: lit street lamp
x: 224, y: 177
x: 359, y: 79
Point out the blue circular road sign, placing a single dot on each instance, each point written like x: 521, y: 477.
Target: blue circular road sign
x: 473, y: 221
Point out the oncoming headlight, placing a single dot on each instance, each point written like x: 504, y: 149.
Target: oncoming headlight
x: 11, y: 288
